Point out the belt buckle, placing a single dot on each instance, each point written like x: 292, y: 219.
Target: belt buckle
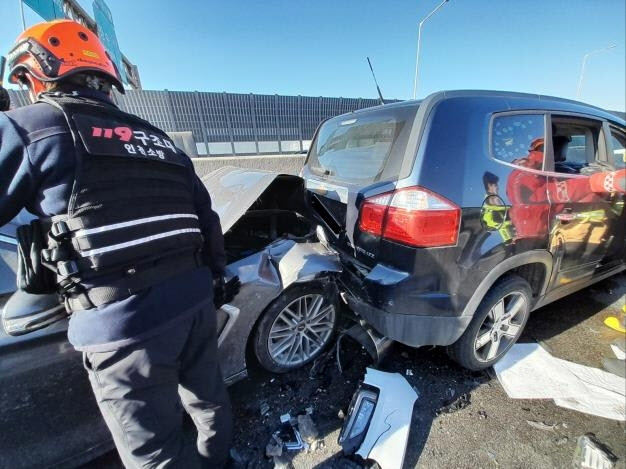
x: 70, y: 286
x: 67, y: 268
x: 59, y: 230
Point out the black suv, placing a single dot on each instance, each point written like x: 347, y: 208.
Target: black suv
x: 457, y: 215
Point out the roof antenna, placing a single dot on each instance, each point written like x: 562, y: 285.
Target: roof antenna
x: 380, y: 95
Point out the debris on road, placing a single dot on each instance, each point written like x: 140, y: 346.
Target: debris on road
x: 619, y: 348
x: 294, y: 434
x: 307, y: 429
x: 615, y: 366
x: 376, y: 345
x: 289, y: 436
x: 237, y: 457
x: 591, y: 454
x: 264, y: 408
x: 377, y: 424
x: 528, y: 371
x: 459, y: 403
x: 282, y: 462
x: 542, y: 426
x: 273, y: 448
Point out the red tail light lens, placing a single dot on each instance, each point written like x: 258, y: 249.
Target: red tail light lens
x: 373, y: 213
x: 413, y: 216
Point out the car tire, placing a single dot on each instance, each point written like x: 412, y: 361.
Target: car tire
x: 305, y: 336
x: 497, y: 324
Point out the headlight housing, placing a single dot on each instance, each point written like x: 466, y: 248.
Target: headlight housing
x: 358, y: 419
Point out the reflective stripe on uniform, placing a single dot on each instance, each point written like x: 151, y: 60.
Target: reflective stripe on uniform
x: 125, y: 224
x: 147, y: 239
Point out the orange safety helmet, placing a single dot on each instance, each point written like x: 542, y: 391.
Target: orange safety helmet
x: 51, y: 51
x: 536, y: 144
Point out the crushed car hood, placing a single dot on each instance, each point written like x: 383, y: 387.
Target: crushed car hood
x: 234, y: 190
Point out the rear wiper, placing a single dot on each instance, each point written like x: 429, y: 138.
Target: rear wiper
x: 322, y: 171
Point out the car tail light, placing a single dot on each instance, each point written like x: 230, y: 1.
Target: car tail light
x: 373, y: 213
x: 413, y: 216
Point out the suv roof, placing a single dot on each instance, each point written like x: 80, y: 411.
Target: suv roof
x: 561, y: 104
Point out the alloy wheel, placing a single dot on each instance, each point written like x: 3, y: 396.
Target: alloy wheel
x: 301, y: 330
x: 501, y: 327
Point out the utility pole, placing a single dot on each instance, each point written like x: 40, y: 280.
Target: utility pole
x: 419, y: 42
x: 582, y: 68
x: 22, y: 11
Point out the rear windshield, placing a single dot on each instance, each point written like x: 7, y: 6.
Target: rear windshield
x: 365, y: 147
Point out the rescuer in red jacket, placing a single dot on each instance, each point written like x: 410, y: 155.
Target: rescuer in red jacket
x: 532, y: 192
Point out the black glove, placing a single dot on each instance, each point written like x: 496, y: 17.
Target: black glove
x: 224, y: 292
x: 32, y: 275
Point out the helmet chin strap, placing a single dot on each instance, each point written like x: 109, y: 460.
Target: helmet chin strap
x: 34, y: 87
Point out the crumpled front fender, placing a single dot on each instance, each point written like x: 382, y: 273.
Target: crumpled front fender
x: 264, y: 276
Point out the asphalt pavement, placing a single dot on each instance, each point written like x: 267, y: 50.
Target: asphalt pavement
x: 492, y: 431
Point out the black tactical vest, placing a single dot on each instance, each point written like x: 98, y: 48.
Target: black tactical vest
x: 130, y: 222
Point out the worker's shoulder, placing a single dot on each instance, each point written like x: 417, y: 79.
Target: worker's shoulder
x: 38, y: 121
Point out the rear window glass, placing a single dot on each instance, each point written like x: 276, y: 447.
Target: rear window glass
x: 363, y: 147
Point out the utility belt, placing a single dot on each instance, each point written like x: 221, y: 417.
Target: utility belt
x: 133, y: 280
x: 39, y: 272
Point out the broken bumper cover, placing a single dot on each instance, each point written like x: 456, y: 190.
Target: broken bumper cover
x: 385, y: 298
x: 410, y: 329
x: 379, y: 419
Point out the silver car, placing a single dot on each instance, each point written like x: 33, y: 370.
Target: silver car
x: 285, y: 314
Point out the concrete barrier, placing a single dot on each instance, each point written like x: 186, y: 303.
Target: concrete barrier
x: 288, y: 164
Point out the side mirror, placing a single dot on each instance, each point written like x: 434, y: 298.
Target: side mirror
x: 25, y: 312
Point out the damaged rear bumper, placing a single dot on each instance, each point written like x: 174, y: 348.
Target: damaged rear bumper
x: 384, y: 298
x: 410, y: 329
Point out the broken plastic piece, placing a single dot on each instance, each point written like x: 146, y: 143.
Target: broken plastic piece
x: 307, y: 428
x: 290, y: 437
x: 375, y: 344
x: 453, y: 405
x: 618, y: 346
x: 614, y: 366
x: 379, y: 419
x: 591, y: 454
x: 542, y: 426
x: 273, y: 448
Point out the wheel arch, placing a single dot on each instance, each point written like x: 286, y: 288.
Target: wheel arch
x: 323, y: 278
x: 533, y: 266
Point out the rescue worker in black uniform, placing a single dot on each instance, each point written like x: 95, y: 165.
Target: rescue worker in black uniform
x: 133, y: 242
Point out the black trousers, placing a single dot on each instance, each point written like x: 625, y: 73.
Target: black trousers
x: 139, y: 389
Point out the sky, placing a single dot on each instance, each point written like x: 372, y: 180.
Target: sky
x: 319, y: 48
